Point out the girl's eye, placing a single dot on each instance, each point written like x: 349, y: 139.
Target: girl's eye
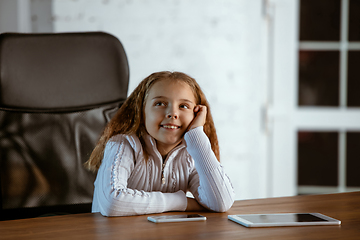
x: 185, y: 106
x: 159, y: 104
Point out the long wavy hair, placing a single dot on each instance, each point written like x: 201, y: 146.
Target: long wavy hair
x: 130, y: 118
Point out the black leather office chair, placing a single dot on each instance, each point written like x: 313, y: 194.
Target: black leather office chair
x: 57, y: 91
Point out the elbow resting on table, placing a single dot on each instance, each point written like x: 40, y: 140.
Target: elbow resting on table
x: 110, y: 213
x: 223, y: 207
x: 109, y: 210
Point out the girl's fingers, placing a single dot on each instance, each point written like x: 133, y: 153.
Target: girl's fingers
x: 200, y: 116
x: 196, y: 109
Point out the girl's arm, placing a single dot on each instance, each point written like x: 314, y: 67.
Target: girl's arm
x: 208, y: 183
x: 113, y: 198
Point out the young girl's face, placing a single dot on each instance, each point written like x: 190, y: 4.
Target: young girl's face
x: 169, y: 110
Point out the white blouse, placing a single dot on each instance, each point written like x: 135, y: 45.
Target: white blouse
x: 127, y: 184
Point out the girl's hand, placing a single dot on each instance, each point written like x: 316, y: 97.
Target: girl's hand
x: 200, y: 117
x: 193, y: 206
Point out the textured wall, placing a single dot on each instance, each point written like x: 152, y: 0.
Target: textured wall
x: 9, y: 20
x: 219, y: 43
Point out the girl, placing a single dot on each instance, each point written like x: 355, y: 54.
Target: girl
x: 160, y: 144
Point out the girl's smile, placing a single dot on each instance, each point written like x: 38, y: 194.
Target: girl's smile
x: 169, y: 110
x: 170, y: 126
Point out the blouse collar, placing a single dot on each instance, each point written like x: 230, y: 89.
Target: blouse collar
x: 151, y: 146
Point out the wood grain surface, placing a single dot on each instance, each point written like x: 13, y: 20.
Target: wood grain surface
x: 342, y: 206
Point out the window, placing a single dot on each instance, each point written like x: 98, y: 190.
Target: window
x: 329, y: 83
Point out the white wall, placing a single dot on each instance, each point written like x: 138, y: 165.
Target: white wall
x: 41, y: 16
x: 222, y: 44
x: 8, y: 16
x: 15, y: 16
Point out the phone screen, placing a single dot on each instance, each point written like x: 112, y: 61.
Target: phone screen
x: 177, y: 218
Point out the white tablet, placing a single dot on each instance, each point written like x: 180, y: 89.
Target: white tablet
x: 283, y: 219
x: 176, y: 218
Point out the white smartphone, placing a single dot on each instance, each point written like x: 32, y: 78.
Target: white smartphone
x: 176, y: 218
x: 283, y: 219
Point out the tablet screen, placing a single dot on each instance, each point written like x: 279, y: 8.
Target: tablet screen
x: 283, y: 219
x: 273, y: 218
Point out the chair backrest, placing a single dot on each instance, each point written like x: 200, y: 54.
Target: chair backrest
x: 57, y: 92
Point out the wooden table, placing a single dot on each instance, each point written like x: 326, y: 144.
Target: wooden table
x: 343, y: 206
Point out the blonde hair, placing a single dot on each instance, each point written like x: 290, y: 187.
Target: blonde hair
x: 130, y: 118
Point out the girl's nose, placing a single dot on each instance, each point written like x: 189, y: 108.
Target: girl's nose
x: 172, y: 115
x: 172, y: 112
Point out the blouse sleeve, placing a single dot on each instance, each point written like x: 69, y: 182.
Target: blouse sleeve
x: 112, y: 197
x: 208, y: 182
